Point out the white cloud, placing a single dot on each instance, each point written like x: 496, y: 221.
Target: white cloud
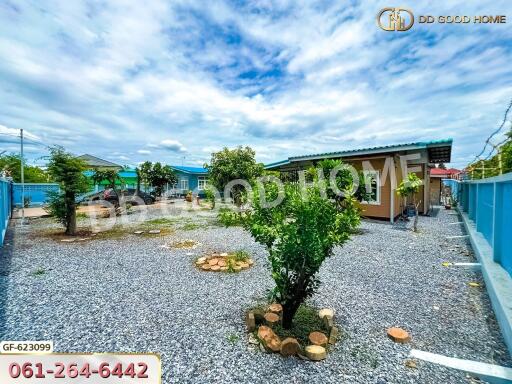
x: 285, y: 77
x: 172, y: 145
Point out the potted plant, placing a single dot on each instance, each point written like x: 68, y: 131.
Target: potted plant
x: 188, y: 196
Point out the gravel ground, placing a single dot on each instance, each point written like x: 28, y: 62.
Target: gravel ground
x: 134, y: 294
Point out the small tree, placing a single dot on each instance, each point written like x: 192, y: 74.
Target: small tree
x: 210, y: 196
x: 409, y: 187
x: 110, y: 176
x: 232, y: 164
x: 160, y: 175
x: 299, y: 235
x: 156, y: 175
x: 145, y: 173
x: 67, y: 170
x: 137, y: 190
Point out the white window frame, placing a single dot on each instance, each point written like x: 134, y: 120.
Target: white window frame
x: 201, y: 182
x: 184, y: 184
x: 376, y: 174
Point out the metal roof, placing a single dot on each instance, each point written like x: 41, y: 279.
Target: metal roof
x: 94, y: 161
x: 195, y: 170
x: 434, y: 147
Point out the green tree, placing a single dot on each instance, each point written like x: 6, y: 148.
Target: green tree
x: 145, y: 173
x: 232, y: 164
x: 441, y: 166
x: 160, y: 175
x: 344, y: 179
x: 110, y: 176
x: 408, y: 188
x: 11, y: 165
x: 67, y: 170
x: 156, y: 175
x: 299, y: 234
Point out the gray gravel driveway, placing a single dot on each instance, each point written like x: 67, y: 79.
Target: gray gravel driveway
x: 135, y: 294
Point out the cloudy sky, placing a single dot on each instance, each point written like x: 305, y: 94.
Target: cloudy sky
x: 173, y: 81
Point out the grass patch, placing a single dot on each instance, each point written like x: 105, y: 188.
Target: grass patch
x: 229, y: 218
x: 39, y: 272
x: 184, y: 244
x: 306, y: 320
x: 365, y: 355
x: 161, y: 221
x: 163, y: 232
x: 190, y: 226
x: 232, y: 338
x: 241, y: 255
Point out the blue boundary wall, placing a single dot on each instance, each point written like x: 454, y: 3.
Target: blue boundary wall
x: 5, y: 206
x: 486, y: 209
x: 37, y: 193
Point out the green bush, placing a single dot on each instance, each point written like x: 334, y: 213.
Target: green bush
x: 229, y: 218
x: 210, y: 196
x: 300, y: 233
x: 241, y: 255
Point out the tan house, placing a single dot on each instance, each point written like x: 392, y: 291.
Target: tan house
x: 384, y: 166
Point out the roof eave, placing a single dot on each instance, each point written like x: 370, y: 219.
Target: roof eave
x: 375, y: 151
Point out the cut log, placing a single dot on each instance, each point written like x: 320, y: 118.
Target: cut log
x: 398, y: 335
x: 318, y: 338
x: 276, y: 308
x: 326, y: 312
x: 271, y: 318
x: 270, y: 340
x: 290, y: 347
x: 316, y: 352
x: 250, y: 322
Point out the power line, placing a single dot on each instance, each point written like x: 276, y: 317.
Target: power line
x: 487, y: 142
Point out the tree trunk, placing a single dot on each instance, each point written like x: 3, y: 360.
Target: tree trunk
x: 415, y: 225
x: 137, y: 192
x: 71, y: 214
x: 289, y: 311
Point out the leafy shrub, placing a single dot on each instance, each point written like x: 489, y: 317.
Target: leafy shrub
x: 210, y: 196
x: 300, y: 233
x: 241, y: 255
x: 229, y: 218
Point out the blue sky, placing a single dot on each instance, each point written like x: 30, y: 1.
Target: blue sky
x: 174, y: 81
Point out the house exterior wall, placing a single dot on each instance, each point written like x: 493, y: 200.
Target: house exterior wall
x: 435, y: 190
x: 383, y: 208
x: 191, y: 179
x: 391, y: 204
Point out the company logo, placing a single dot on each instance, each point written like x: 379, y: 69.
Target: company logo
x: 402, y: 19
x: 395, y: 19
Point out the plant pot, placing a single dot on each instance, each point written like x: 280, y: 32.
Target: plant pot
x: 188, y: 198
x: 448, y: 206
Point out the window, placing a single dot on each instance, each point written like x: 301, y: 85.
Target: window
x: 184, y: 184
x: 201, y: 182
x: 372, y: 182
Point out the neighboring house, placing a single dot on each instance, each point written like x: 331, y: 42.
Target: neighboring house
x: 436, y: 184
x: 383, y: 162
x: 190, y: 179
x: 94, y: 163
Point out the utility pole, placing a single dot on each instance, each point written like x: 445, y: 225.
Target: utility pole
x: 22, y: 181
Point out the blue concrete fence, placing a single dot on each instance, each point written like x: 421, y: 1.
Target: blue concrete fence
x: 5, y: 206
x: 486, y: 210
x: 36, y: 194
x: 488, y: 204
